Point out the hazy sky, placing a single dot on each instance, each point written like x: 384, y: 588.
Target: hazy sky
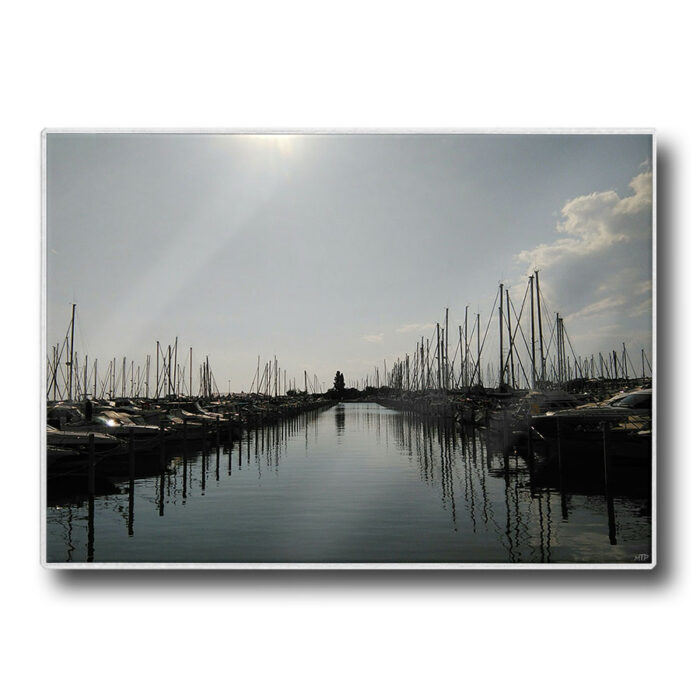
x: 334, y: 251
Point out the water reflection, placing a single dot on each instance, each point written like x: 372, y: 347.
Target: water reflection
x: 395, y: 488
x: 339, y: 415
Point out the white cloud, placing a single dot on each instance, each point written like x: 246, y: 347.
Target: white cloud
x: 597, y: 273
x: 377, y: 338
x: 642, y: 309
x: 407, y: 328
x: 596, y: 222
x: 596, y: 307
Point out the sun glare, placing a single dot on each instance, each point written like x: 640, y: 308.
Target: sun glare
x: 282, y: 143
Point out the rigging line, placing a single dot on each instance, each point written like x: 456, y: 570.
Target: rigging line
x: 50, y: 383
x: 518, y: 328
x: 548, y: 315
x: 53, y: 374
x: 63, y: 347
x: 81, y: 335
x: 648, y: 364
x: 468, y: 349
x: 576, y: 364
x: 103, y: 386
x: 629, y: 359
x: 550, y: 325
x: 549, y: 344
x: 547, y: 312
x: 64, y: 378
x: 520, y: 364
x: 486, y: 332
x: 517, y: 322
x: 54, y: 379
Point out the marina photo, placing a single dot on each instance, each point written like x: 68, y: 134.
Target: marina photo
x: 349, y: 349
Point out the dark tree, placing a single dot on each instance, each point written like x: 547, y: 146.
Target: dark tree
x: 339, y: 382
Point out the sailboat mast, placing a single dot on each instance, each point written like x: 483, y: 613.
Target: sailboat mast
x: 532, y: 329
x: 446, y: 336
x: 439, y: 356
x: 70, y: 361
x: 510, y: 342
x: 55, y: 369
x: 478, y: 349
x: 539, y: 323
x: 500, y: 334
x: 466, y: 348
x: 176, y: 381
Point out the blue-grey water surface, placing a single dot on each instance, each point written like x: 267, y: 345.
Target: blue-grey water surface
x: 354, y: 483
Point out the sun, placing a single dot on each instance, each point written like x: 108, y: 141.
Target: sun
x: 283, y: 144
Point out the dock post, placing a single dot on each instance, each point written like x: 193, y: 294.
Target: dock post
x: 91, y: 498
x: 562, y: 483
x: 184, y: 441
x: 132, y: 460
x: 161, y: 494
x: 608, y: 496
x: 217, y: 431
x: 91, y: 465
x: 132, y: 471
x: 161, y: 436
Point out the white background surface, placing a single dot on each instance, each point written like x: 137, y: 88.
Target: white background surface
x: 335, y: 634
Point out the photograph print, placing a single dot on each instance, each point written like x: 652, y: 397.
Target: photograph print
x: 348, y: 349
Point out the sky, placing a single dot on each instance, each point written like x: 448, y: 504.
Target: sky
x: 336, y: 252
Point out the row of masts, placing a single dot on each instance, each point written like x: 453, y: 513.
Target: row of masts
x: 272, y: 380
x: 71, y: 377
x: 527, y: 358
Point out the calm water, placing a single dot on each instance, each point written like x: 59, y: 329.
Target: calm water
x: 354, y: 483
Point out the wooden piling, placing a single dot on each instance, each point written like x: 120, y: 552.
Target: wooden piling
x: 132, y: 459
x: 560, y: 467
x: 161, y: 495
x: 132, y: 470
x: 161, y: 439
x: 612, y: 529
x: 91, y: 464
